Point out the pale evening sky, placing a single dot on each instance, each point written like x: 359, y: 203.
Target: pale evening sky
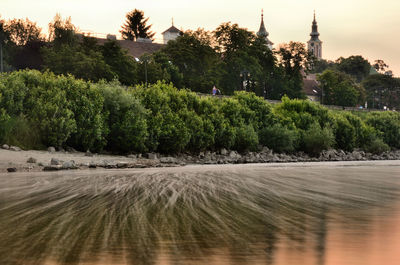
x: 347, y: 27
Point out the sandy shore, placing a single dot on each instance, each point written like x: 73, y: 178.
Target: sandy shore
x: 18, y: 160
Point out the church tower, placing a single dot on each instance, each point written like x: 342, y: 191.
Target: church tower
x: 171, y: 34
x: 314, y: 44
x: 263, y: 33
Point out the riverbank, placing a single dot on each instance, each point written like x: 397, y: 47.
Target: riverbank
x: 13, y: 159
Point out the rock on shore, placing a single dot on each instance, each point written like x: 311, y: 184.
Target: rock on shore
x: 52, y: 160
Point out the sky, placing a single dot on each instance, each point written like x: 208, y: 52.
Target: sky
x: 347, y: 27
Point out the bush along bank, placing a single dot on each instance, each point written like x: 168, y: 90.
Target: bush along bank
x: 41, y: 109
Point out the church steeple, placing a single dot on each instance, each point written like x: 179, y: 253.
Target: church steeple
x: 262, y: 32
x: 314, y: 30
x: 315, y: 44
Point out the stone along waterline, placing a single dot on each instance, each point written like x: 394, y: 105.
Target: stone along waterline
x: 244, y: 214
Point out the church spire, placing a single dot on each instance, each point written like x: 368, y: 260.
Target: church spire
x: 314, y: 30
x: 262, y: 32
x: 314, y: 44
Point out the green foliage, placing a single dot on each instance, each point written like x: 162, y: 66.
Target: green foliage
x: 4, y: 118
x: 125, y: 118
x: 82, y: 63
x: 260, y: 110
x: 382, y: 90
x: 317, y: 139
x: 345, y: 133
x: 356, y: 66
x: 120, y: 62
x: 388, y: 123
x: 86, y: 103
x: 41, y: 109
x: 59, y: 107
x: 279, y: 138
x: 293, y: 57
x: 20, y: 132
x: 42, y: 101
x: 194, y: 59
x: 377, y: 146
x: 246, y: 138
x: 166, y: 119
x: 340, y: 89
x: 303, y: 113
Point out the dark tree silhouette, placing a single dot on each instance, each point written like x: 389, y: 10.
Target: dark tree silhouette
x: 135, y: 26
x: 23, y: 31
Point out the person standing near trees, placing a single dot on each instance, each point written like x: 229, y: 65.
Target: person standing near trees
x: 214, y: 90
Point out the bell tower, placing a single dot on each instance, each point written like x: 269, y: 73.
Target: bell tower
x: 315, y: 44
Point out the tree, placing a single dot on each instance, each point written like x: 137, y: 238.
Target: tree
x: 340, y: 89
x: 28, y: 56
x: 135, y: 26
x: 293, y: 57
x: 176, y: 77
x: 120, y: 62
x: 230, y: 38
x: 3, y: 39
x: 23, y: 31
x: 356, y: 66
x: 83, y: 60
x: 320, y: 65
x: 195, y: 60
x: 382, y: 90
x: 62, y: 31
x: 240, y: 67
x: 380, y: 66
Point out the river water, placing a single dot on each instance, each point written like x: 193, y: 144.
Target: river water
x: 283, y: 214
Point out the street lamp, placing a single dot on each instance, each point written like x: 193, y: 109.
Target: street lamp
x: 144, y: 59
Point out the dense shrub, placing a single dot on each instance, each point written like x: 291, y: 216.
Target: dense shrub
x: 303, y: 113
x: 279, y: 138
x: 377, y: 146
x: 20, y: 132
x: 388, y: 123
x: 3, y: 124
x: 246, y: 138
x: 259, y: 110
x: 345, y: 133
x: 125, y: 119
x: 317, y: 139
x: 86, y: 103
x: 40, y: 109
x: 168, y: 109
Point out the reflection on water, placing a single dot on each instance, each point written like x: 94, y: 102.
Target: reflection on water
x: 195, y: 215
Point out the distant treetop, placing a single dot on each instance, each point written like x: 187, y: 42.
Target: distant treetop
x: 135, y: 26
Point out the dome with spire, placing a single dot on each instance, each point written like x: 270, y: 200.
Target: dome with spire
x: 263, y: 33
